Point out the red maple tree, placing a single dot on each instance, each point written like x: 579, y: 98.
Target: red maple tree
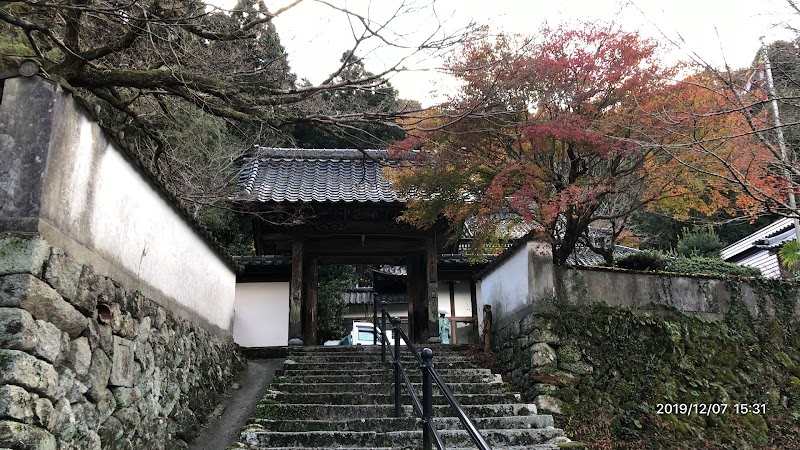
x: 549, y: 129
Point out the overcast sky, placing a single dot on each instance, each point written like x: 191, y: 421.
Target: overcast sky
x: 717, y: 30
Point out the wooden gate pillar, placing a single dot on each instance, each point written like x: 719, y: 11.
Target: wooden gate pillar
x: 432, y: 287
x: 412, y: 294
x: 296, y: 293
x: 310, y: 285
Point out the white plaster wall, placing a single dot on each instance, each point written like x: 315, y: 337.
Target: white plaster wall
x: 505, y: 288
x: 463, y: 301
x: 443, y: 296
x: 94, y: 196
x: 261, y: 314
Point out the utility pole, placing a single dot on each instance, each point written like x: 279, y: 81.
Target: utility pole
x: 785, y: 157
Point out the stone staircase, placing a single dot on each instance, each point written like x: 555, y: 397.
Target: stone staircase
x: 341, y: 397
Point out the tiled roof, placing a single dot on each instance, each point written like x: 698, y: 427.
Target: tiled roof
x: 359, y: 295
x: 777, y: 239
x: 264, y: 260
x: 745, y: 245
x: 584, y: 256
x: 364, y: 295
x: 330, y: 175
x: 387, y: 269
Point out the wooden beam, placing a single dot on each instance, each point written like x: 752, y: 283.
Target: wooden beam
x: 310, y: 287
x: 342, y: 245
x: 256, y: 225
x: 296, y: 292
x: 392, y: 260
x: 432, y: 286
x: 419, y: 288
x: 451, y: 287
x: 412, y: 291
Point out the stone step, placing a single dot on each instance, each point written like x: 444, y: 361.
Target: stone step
x: 370, y: 359
x: 255, y: 435
x: 403, y: 424
x: 384, y: 388
x: 268, y: 409
x: 435, y: 348
x: 293, y: 370
x: 371, y: 356
x: 372, y: 353
x: 341, y: 397
x: 239, y: 445
x: 377, y: 377
x: 356, y: 366
x: 351, y: 398
x: 365, y: 424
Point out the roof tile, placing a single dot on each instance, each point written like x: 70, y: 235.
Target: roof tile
x: 298, y: 175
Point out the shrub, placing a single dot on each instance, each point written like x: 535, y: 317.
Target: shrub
x: 708, y: 266
x: 652, y: 260
x: 699, y: 242
x: 643, y: 260
x: 789, y: 255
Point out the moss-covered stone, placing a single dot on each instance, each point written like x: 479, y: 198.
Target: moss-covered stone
x: 569, y: 352
x: 641, y: 363
x: 270, y: 409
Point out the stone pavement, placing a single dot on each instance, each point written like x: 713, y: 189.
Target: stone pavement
x: 226, y: 421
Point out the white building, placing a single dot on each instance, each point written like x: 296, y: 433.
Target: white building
x: 760, y: 249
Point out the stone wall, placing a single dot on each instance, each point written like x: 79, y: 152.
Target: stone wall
x: 540, y: 364
x: 537, y: 362
x: 607, y: 372
x: 143, y: 379
x: 702, y: 296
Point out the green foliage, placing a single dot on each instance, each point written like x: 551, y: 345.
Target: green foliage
x: 334, y: 282
x: 708, y: 266
x: 789, y: 254
x: 273, y: 410
x: 233, y: 230
x: 656, y: 261
x: 699, y: 242
x: 380, y: 98
x: 649, y: 260
x: 657, y: 230
x: 641, y: 362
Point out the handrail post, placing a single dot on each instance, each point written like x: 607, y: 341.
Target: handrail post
x: 374, y: 318
x: 385, y: 336
x: 398, y: 407
x: 427, y: 398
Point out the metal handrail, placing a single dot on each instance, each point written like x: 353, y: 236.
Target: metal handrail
x: 430, y: 435
x: 472, y: 430
x: 417, y: 403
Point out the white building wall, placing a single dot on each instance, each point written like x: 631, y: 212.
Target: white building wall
x: 261, y: 314
x: 506, y: 286
x: 96, y: 203
x: 462, y: 299
x: 764, y: 260
x: 747, y: 242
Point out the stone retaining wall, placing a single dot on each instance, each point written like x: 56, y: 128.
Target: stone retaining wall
x: 537, y: 362
x: 143, y: 380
